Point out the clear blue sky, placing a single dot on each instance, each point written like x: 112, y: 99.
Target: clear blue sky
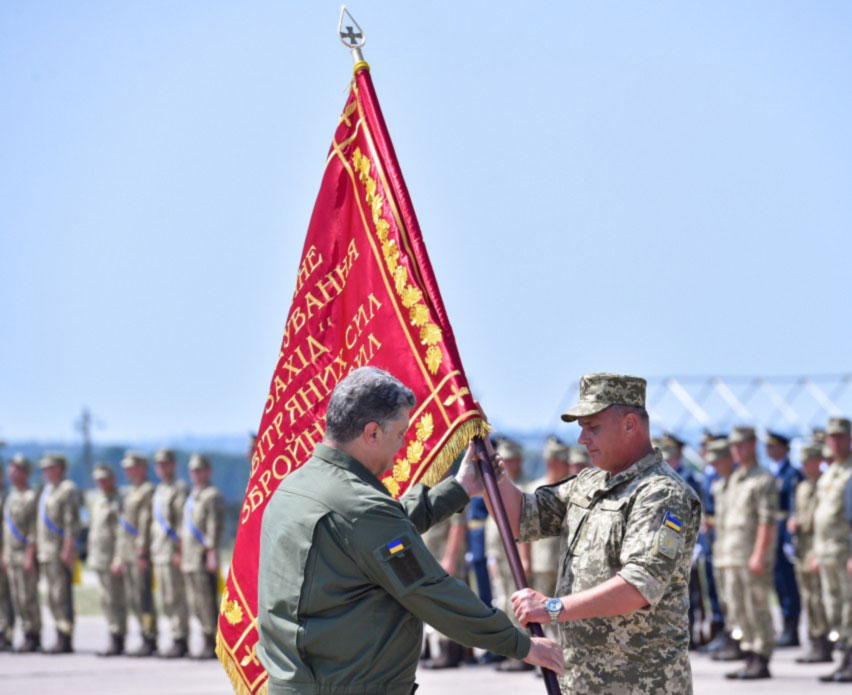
x: 644, y: 187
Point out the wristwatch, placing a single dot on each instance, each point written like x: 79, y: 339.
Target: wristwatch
x: 554, y: 608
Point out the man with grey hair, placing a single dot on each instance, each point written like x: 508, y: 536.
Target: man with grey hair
x: 628, y: 526
x: 344, y: 578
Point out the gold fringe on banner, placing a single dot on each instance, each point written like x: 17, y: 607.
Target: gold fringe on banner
x: 451, y: 450
x: 233, y: 673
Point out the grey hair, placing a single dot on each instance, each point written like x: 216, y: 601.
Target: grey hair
x: 367, y: 394
x: 623, y: 410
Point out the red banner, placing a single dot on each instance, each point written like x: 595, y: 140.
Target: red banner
x: 365, y: 295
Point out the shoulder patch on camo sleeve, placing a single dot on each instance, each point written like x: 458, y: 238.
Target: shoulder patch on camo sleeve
x: 668, y: 542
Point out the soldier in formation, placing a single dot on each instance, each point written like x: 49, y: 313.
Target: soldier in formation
x: 7, y: 617
x: 104, y: 514
x: 168, y: 502
x: 19, y: 558
x: 831, y: 548
x: 200, y: 538
x: 133, y: 555
x: 801, y: 528
x: 787, y: 477
x: 57, y: 526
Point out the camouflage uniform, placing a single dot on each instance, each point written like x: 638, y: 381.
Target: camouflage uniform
x: 18, y: 537
x: 721, y: 560
x: 200, y: 531
x: 103, y: 533
x: 168, y: 503
x: 809, y: 582
x: 640, y: 524
x: 750, y: 500
x: 134, y: 542
x: 58, y: 520
x: 831, y: 547
x: 7, y: 617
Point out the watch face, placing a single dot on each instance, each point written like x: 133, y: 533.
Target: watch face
x: 553, y: 605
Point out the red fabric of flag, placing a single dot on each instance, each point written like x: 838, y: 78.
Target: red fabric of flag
x: 365, y: 295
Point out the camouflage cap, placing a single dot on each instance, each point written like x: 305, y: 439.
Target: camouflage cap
x: 599, y: 391
x: 776, y: 439
x: 741, y: 433
x: 670, y: 440
x: 164, y: 455
x: 102, y: 471
x: 134, y: 458
x: 579, y: 456
x: 838, y: 425
x: 197, y: 461
x: 717, y: 449
x: 509, y: 449
x: 811, y: 452
x: 52, y: 459
x: 818, y: 436
x: 554, y: 450
x: 21, y: 461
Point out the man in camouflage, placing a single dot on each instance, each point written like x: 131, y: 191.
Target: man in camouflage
x: 103, y: 532
x: 134, y: 549
x: 832, y: 543
x: 19, y: 551
x: 751, y: 510
x: 801, y: 527
x: 57, y: 527
x: 628, y: 527
x: 200, y: 537
x: 168, y: 502
x: 7, y: 617
x: 718, y: 455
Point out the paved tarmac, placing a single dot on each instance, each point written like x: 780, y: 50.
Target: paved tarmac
x: 83, y: 673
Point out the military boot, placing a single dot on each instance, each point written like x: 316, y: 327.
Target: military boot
x: 32, y: 643
x: 5, y: 643
x: 209, y: 649
x: 789, y: 636
x: 756, y: 666
x: 820, y: 652
x: 148, y: 648
x: 116, y: 646
x: 178, y: 650
x: 730, y: 652
x: 720, y: 641
x: 450, y: 657
x: 62, y: 644
x: 843, y: 671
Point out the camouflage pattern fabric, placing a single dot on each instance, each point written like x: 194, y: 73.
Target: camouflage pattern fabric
x: 810, y: 587
x: 599, y: 391
x: 642, y: 525
x: 750, y: 500
x: 831, y: 527
x: 837, y: 598
x: 748, y: 600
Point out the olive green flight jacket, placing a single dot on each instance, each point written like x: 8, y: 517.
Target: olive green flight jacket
x: 345, y: 580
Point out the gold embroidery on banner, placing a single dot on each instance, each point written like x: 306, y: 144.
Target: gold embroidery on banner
x: 411, y: 296
x: 425, y: 427
x: 347, y: 112
x: 457, y: 395
x: 232, y: 610
x: 250, y: 656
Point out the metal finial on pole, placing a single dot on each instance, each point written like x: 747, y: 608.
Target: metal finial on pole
x: 352, y: 37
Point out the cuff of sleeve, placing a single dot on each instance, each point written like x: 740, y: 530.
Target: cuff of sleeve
x: 453, y: 492
x: 644, y: 582
x: 529, y: 526
x: 523, y: 646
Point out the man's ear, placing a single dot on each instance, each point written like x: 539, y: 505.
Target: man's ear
x: 371, y: 432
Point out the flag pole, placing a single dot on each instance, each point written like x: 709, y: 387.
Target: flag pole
x: 492, y: 489
x: 352, y: 36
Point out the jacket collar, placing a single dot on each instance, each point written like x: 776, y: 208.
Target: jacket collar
x: 336, y: 457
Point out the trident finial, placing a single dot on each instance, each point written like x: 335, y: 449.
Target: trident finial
x: 353, y: 36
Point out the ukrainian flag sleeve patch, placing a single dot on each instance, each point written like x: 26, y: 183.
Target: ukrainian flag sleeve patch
x: 669, y: 537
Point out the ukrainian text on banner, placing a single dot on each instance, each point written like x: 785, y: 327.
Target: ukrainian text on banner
x: 365, y: 295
